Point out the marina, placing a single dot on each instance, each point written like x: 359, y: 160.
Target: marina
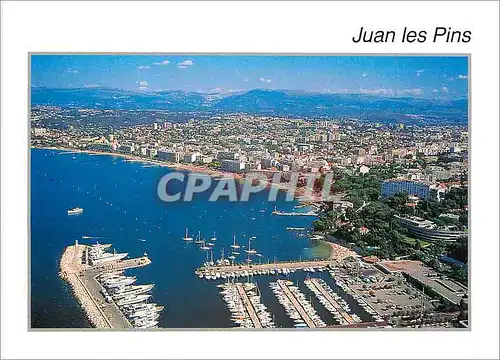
x: 284, y: 286
x: 244, y: 303
x: 244, y: 270
x: 175, y: 256
x: 98, y: 283
x: 318, y: 286
x: 249, y: 306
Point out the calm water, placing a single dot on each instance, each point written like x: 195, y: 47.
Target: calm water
x: 121, y: 207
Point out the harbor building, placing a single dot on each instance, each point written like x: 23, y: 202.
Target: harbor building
x: 392, y: 187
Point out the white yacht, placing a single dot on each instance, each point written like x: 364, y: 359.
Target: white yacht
x: 131, y: 290
x: 115, y: 283
x: 75, y: 211
x: 97, y: 256
x: 132, y: 299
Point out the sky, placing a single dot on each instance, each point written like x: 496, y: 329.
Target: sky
x: 428, y: 76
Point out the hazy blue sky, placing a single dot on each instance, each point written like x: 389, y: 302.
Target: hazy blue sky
x: 414, y: 76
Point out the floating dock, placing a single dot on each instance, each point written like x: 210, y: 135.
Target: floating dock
x: 282, y: 213
x: 248, y: 306
x: 296, y: 265
x: 332, y: 301
x: 296, y: 304
x: 75, y: 269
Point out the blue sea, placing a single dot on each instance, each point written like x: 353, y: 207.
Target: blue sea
x: 121, y: 207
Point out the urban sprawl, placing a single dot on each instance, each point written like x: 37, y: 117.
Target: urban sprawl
x: 400, y: 197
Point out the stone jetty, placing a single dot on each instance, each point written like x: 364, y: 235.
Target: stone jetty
x: 82, y: 277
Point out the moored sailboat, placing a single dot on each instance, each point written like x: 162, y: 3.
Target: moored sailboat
x: 234, y: 245
x: 186, y: 236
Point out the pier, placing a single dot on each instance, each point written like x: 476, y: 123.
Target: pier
x: 296, y: 265
x: 75, y: 269
x: 282, y: 213
x: 332, y: 301
x: 248, y: 306
x: 296, y: 304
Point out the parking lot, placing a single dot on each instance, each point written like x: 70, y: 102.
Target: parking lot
x: 388, y: 294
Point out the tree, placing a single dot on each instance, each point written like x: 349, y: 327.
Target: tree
x: 460, y: 274
x: 435, y: 264
x: 319, y: 225
x: 460, y: 249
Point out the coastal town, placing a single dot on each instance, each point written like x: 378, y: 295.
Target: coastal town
x: 239, y: 143
x: 396, y: 225
x: 217, y: 180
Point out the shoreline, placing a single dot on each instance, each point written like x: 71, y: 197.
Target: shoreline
x: 134, y: 158
x: 338, y: 252
x: 300, y: 193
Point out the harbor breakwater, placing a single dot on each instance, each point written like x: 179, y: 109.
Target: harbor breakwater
x: 99, y: 308
x: 70, y: 272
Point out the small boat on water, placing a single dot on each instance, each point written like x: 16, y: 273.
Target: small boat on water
x: 204, y: 246
x: 213, y: 238
x: 234, y: 245
x: 198, y: 239
x: 250, y: 251
x: 75, y: 211
x: 186, y: 236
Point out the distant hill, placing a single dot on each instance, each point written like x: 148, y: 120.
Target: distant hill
x: 262, y: 102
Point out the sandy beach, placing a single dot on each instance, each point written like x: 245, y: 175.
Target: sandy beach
x: 301, y: 193
x: 133, y: 158
x: 339, y: 252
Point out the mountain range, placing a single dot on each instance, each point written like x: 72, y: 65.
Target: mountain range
x: 284, y: 103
